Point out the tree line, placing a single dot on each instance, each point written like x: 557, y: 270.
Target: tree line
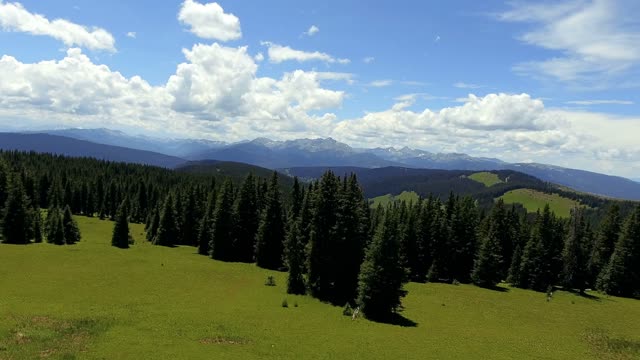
x: 323, y: 233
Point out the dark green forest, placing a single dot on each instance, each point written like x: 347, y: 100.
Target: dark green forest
x: 323, y: 232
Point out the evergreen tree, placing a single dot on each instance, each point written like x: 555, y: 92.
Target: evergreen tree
x: 120, y: 236
x: 621, y: 276
x: 154, y: 223
x: 271, y: 232
x: 70, y: 227
x: 488, y: 266
x: 4, y: 185
x: 221, y: 242
x: 247, y: 220
x: 537, y: 270
x: 168, y: 231
x: 295, y: 261
x: 381, y: 279
x: 54, y: 227
x: 16, y: 225
x: 575, y: 271
x: 206, y: 224
x: 37, y: 226
x: 605, y: 242
x: 189, y: 222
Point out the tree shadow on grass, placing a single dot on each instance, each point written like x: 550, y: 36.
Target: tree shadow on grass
x: 397, y: 320
x: 496, y: 288
x: 585, y: 295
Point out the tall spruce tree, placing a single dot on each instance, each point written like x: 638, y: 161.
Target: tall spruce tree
x: 54, y: 227
x: 16, y: 225
x: 168, y: 232
x: 605, y: 241
x: 37, y: 226
x: 70, y: 227
x: 120, y: 238
x: 189, y: 220
x: 154, y: 223
x: 247, y: 220
x: 621, y: 276
x: 221, y: 242
x: 488, y: 266
x: 382, y: 276
x: 537, y: 269
x: 574, y: 254
x: 294, y: 251
x: 271, y: 232
x: 206, y: 225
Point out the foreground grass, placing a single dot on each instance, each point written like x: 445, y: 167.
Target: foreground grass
x: 384, y: 200
x: 487, y: 178
x: 92, y: 301
x: 533, y: 200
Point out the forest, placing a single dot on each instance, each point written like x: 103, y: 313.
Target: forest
x: 323, y: 233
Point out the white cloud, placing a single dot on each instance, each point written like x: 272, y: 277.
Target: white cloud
x: 259, y: 57
x: 209, y: 21
x: 312, y: 30
x: 381, y: 83
x: 14, y: 17
x: 131, y: 34
x: 278, y: 54
x: 595, y: 40
x: 368, y: 60
x: 600, y: 102
x: 462, y: 85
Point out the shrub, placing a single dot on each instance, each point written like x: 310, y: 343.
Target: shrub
x: 348, y: 310
x: 285, y: 304
x: 271, y: 281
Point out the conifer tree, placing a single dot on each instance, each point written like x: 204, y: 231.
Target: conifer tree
x: 574, y: 254
x: 70, y: 227
x: 605, y: 241
x: 382, y: 277
x: 621, y: 276
x: 4, y: 185
x: 120, y: 238
x: 16, y: 225
x: 54, y: 227
x: 189, y: 222
x: 168, y: 231
x: 271, y: 232
x: 295, y: 261
x: 206, y: 224
x: 221, y: 242
x: 488, y: 267
x: 247, y: 220
x: 37, y: 226
x: 154, y: 223
x: 537, y: 266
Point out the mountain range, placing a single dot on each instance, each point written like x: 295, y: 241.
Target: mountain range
x: 327, y: 153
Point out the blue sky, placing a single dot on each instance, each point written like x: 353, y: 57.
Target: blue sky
x: 552, y: 82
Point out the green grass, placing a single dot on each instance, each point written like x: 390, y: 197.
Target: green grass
x: 486, y: 178
x: 407, y: 196
x: 92, y: 301
x: 533, y: 200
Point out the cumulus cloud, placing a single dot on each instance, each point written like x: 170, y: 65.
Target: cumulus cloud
x: 14, y: 17
x: 209, y: 21
x: 312, y: 30
x: 131, y: 34
x: 595, y: 40
x: 278, y: 54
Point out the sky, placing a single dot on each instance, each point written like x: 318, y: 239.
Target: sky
x: 525, y: 81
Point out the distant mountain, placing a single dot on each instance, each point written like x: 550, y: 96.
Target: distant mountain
x: 173, y: 147
x: 304, y: 152
x: 329, y: 152
x: 53, y: 144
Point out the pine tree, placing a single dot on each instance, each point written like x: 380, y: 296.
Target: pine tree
x: 295, y: 261
x: 206, y: 224
x: 621, y: 276
x: 605, y: 241
x: 70, y: 227
x: 154, y: 223
x: 16, y: 225
x: 54, y: 227
x: 537, y: 270
x: 381, y: 279
x: 37, y: 225
x: 221, y: 242
x: 4, y: 185
x: 247, y: 220
x: 488, y: 267
x: 120, y: 238
x: 574, y: 254
x: 271, y: 232
x: 168, y: 231
x: 189, y: 222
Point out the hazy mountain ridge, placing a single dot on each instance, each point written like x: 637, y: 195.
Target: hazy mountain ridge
x: 330, y: 153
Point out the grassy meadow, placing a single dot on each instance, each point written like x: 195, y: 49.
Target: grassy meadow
x: 92, y: 301
x: 487, y: 178
x: 384, y: 200
x: 533, y: 200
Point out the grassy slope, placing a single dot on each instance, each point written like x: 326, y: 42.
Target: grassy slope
x: 486, y: 178
x: 407, y: 196
x: 533, y: 200
x: 92, y: 301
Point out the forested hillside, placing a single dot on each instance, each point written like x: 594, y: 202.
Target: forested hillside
x: 324, y: 234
